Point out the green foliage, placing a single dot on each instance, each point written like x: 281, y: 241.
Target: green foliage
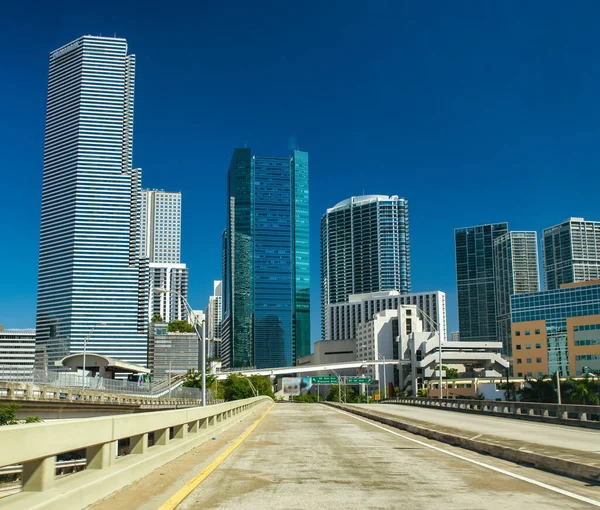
x: 33, y: 419
x: 451, y: 373
x: 349, y: 395
x: 193, y: 379
x: 580, y: 391
x: 422, y: 392
x: 539, y: 390
x: 237, y: 387
x: 8, y: 414
x: 157, y: 318
x: 181, y: 327
x: 306, y: 397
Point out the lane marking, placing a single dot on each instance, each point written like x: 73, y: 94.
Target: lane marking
x: 185, y: 491
x: 477, y: 463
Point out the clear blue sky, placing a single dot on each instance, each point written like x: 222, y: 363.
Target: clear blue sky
x: 474, y: 111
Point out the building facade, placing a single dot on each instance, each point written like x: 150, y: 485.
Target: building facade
x: 571, y: 252
x: 516, y: 272
x: 343, y: 319
x: 160, y: 226
x: 214, y: 317
x: 17, y: 354
x: 557, y: 330
x: 171, y: 353
x: 364, y: 248
x: 475, y: 282
x: 169, y: 305
x: 266, y: 278
x: 89, y: 266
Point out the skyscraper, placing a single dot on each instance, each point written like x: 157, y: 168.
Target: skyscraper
x: 89, y: 266
x: 214, y: 316
x: 364, y: 248
x: 475, y: 281
x: 160, y: 222
x: 266, y: 280
x: 515, y: 272
x: 571, y: 252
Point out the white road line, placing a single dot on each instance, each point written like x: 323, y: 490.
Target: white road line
x: 477, y: 463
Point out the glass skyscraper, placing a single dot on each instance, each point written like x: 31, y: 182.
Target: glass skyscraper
x: 571, y: 252
x: 475, y: 282
x: 266, y: 280
x: 364, y: 248
x: 89, y: 266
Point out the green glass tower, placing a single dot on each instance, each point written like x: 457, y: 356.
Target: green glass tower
x: 266, y: 281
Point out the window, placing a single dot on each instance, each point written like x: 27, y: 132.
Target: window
x: 519, y: 374
x: 530, y: 374
x: 518, y: 347
x: 527, y: 346
x: 519, y: 361
x: 528, y: 332
x: 540, y: 374
x: 537, y: 332
x: 517, y: 333
x: 538, y: 346
x: 538, y: 360
x: 528, y: 360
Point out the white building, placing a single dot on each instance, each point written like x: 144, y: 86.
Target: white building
x: 17, y: 354
x: 160, y: 225
x: 214, y: 317
x: 343, y: 318
x: 171, y: 277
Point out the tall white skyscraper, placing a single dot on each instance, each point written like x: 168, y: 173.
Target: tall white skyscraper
x: 160, y: 225
x: 214, y: 317
x: 160, y: 221
x: 89, y: 267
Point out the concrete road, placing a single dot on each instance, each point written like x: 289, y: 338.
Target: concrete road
x: 562, y: 436
x: 307, y: 456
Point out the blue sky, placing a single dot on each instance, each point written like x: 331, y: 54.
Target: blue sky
x: 474, y: 111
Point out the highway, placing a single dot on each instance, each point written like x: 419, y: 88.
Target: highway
x: 303, y: 456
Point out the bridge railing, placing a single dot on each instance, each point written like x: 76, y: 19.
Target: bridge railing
x: 586, y: 415
x: 36, y: 446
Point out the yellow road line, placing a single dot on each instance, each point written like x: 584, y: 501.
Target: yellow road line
x: 185, y: 491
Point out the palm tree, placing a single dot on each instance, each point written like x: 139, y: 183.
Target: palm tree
x: 539, y: 390
x: 580, y: 391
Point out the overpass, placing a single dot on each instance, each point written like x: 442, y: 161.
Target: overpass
x: 255, y: 454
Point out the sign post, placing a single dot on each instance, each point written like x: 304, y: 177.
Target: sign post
x: 324, y: 379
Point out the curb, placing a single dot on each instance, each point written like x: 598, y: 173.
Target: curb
x: 572, y: 469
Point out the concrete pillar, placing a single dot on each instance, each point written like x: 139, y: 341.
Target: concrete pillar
x: 139, y: 444
x: 545, y: 413
x: 193, y: 427
x: 203, y: 423
x: 39, y: 474
x: 99, y: 456
x: 531, y: 412
x: 212, y: 420
x: 180, y: 431
x: 583, y: 416
x: 161, y: 437
x: 563, y: 415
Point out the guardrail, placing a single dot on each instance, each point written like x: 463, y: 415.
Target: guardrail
x: 35, y: 446
x: 564, y: 414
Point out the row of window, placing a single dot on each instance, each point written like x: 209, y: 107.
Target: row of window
x: 587, y: 357
x: 587, y: 327
x: 528, y: 332
x: 528, y: 346
x: 530, y: 374
x: 593, y: 341
x: 528, y: 360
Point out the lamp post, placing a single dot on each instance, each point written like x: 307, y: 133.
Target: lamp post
x: 201, y: 339
x: 89, y: 335
x: 434, y: 329
x: 380, y: 356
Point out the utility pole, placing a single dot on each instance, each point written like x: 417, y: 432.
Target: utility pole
x: 558, y: 385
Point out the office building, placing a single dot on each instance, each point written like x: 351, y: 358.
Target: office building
x: 571, y: 252
x: 17, y: 354
x: 455, y: 336
x: 89, y: 266
x: 364, y: 248
x: 160, y: 226
x: 557, y: 330
x: 266, y: 278
x: 515, y: 272
x: 171, y: 353
x: 475, y: 282
x: 214, y: 316
x: 169, y: 305
x: 343, y: 319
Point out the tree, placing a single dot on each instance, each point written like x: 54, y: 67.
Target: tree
x: 8, y: 414
x: 181, y: 327
x: 157, y: 318
x: 580, y: 391
x: 193, y: 379
x: 348, y: 394
x: 539, y: 390
x: 237, y: 387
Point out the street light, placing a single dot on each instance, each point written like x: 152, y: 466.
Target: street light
x: 89, y: 335
x: 201, y: 339
x: 380, y: 356
x: 434, y: 329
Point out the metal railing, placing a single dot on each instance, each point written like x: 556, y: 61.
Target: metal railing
x: 569, y: 414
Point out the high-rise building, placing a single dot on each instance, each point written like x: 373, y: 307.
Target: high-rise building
x: 214, y: 316
x: 364, y: 248
x: 160, y: 221
x: 266, y: 278
x: 171, y: 353
x: 17, y: 354
x: 160, y: 226
x: 475, y: 281
x: 89, y: 266
x: 515, y: 272
x: 571, y: 252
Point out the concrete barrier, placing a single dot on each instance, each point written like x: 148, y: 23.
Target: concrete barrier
x: 561, y: 414
x: 562, y: 462
x: 35, y: 446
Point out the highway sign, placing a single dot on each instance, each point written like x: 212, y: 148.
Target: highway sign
x: 359, y: 380
x: 324, y: 379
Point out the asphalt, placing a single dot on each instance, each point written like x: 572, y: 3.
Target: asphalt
x: 309, y: 456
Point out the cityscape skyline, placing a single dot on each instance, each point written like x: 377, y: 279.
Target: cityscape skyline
x: 427, y: 271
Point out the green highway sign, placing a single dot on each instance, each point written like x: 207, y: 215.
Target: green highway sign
x: 324, y: 379
x: 359, y: 380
